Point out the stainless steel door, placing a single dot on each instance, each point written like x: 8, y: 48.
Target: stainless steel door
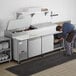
x: 19, y: 50
x: 47, y: 43
x: 22, y: 49
x: 34, y: 47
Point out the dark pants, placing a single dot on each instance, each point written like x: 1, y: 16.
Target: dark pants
x: 69, y: 45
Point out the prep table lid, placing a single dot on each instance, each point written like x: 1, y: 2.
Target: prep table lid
x: 46, y: 24
x: 19, y: 23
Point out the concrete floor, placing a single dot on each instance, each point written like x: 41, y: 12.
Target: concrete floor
x: 65, y: 69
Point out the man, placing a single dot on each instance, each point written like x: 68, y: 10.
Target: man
x: 69, y: 36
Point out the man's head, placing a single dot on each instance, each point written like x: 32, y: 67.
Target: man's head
x: 59, y: 28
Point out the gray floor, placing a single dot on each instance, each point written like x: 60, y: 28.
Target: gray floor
x: 65, y: 69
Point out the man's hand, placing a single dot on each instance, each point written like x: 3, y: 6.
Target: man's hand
x: 61, y: 39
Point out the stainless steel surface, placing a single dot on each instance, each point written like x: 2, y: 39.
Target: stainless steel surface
x: 42, y: 29
x: 27, y: 42
x: 47, y: 43
x: 34, y: 47
x: 19, y: 23
x: 20, y: 50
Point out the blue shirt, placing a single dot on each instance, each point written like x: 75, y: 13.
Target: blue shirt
x: 67, y: 27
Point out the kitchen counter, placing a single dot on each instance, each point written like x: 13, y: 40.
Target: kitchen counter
x: 42, y: 30
x: 32, y: 42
